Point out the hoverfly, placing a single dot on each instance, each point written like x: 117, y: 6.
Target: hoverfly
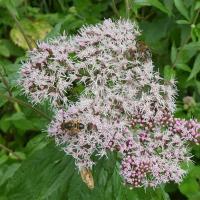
x: 73, y: 127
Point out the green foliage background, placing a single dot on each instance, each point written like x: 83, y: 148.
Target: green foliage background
x: 31, y: 166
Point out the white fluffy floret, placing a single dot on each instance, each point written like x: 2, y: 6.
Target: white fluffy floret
x: 123, y: 104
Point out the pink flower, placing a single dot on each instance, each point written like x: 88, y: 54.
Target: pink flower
x: 123, y: 104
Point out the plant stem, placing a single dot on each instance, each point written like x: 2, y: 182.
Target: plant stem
x: 21, y: 30
x: 115, y: 8
x: 13, y: 99
x: 127, y: 8
x: 4, y: 81
x: 196, y: 17
x: 6, y: 84
x: 187, y: 39
x: 10, y: 151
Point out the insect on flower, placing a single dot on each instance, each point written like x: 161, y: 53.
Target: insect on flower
x: 87, y: 177
x: 118, y: 82
x: 73, y: 127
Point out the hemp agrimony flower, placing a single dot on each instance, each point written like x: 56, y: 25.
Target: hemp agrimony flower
x: 124, y: 105
x: 49, y: 72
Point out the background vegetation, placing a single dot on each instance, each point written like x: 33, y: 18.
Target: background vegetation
x: 31, y: 166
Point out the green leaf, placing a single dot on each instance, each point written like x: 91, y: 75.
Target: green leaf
x: 16, y: 117
x: 36, y: 143
x: 148, y: 194
x: 192, y: 46
x: 190, y: 186
x: 11, y: 48
x: 44, y: 175
x: 17, y: 155
x: 49, y: 174
x: 71, y: 23
x: 169, y: 6
x: 152, y: 34
x: 197, y: 5
x: 181, y: 8
x: 2, y: 91
x: 7, y: 172
x: 196, y: 68
x: 196, y: 151
x: 183, y: 67
x: 19, y: 121
x: 155, y: 3
x: 3, y: 158
x: 169, y: 73
x: 92, y: 11
x: 4, y: 51
x: 182, y: 21
x: 55, y: 31
x: 195, y: 32
x: 34, y: 30
x: 173, y: 53
x: 11, y: 5
x: 4, y: 123
x: 187, y: 52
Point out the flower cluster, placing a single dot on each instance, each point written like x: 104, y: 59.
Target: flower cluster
x: 124, y: 106
x: 49, y: 72
x: 154, y: 158
x: 93, y: 137
x: 120, y: 72
x: 187, y: 129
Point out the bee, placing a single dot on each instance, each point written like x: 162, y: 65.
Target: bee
x: 73, y: 127
x: 143, y: 49
x: 142, y: 46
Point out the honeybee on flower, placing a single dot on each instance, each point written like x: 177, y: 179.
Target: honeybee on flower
x: 123, y: 105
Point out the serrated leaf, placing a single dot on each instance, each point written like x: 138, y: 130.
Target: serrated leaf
x: 34, y: 30
x: 147, y: 194
x: 44, y: 175
x: 36, y: 143
x: 50, y: 174
x: 196, y: 68
x: 181, y: 8
x: 8, y: 171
